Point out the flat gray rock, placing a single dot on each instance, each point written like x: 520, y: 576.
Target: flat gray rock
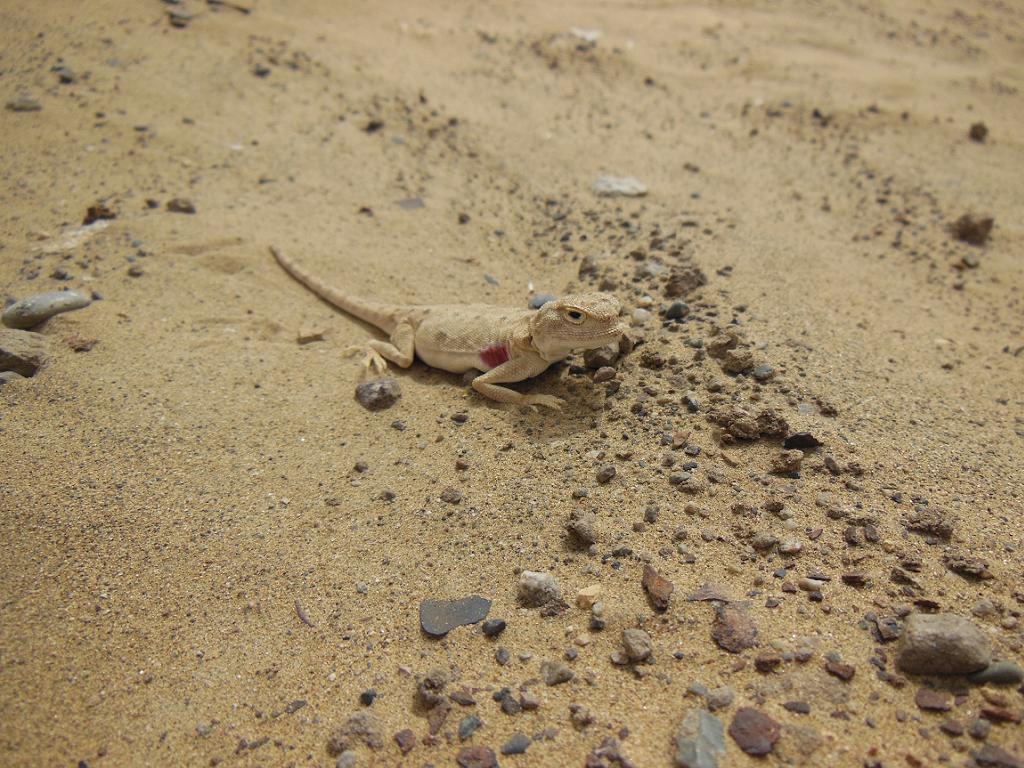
x: 439, y: 617
x: 700, y: 740
x: 35, y: 309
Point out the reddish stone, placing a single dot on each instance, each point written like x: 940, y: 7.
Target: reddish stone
x: 930, y: 699
x: 733, y: 629
x: 476, y: 757
x: 405, y: 740
x: 658, y: 588
x: 754, y: 732
x: 842, y: 671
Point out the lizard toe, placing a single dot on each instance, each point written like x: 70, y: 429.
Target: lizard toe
x: 548, y: 401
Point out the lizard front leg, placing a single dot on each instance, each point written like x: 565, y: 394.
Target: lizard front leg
x: 400, y: 350
x: 521, y: 366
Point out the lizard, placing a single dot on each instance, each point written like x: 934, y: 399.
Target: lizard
x: 506, y: 344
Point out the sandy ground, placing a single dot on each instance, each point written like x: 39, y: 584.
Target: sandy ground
x: 169, y: 496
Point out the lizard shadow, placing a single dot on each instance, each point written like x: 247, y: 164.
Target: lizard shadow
x: 543, y: 424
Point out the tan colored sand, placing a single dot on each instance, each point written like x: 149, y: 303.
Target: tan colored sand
x: 164, y: 496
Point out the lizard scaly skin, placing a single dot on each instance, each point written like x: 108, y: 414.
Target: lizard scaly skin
x: 507, y: 344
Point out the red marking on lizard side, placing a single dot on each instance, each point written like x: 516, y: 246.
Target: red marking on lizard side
x: 494, y: 355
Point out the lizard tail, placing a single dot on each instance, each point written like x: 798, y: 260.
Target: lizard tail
x: 380, y: 315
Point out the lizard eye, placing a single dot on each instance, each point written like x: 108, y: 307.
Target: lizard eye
x: 574, y: 316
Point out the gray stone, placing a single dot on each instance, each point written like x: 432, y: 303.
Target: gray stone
x: 378, y: 395
x: 581, y: 526
x: 720, y: 698
x: 999, y: 673
x: 538, y: 588
x: 540, y: 300
x: 30, y: 312
x: 439, y: 617
x: 468, y: 726
x: 22, y: 351
x: 516, y: 745
x: 556, y: 672
x: 700, y: 740
x: 602, y: 357
x: 346, y: 759
x: 942, y: 644
x: 637, y: 644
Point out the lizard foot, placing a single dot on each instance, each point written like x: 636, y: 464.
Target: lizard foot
x: 548, y: 401
x: 371, y: 359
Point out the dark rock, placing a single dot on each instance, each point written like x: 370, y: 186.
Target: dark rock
x: 800, y: 707
x: 602, y: 357
x: 677, y: 310
x: 996, y: 757
x: 517, y: 745
x: 367, y: 697
x: 966, y: 566
x: 24, y: 104
x: 942, y: 644
x: 64, y: 73
x: 97, y: 212
x: 972, y: 229
x: 658, y: 588
x: 180, y: 205
x: 978, y: 132
x: 378, y: 395
x: 439, y: 617
x: 768, y: 661
x: 683, y: 281
x: 733, y: 629
x: 803, y: 441
x: 700, y: 740
x: 754, y: 732
x: 30, y: 312
x: 22, y: 352
x: 476, y: 757
x: 493, y: 627
x: 605, y: 473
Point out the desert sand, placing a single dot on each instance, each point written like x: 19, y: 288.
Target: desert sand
x: 195, y: 571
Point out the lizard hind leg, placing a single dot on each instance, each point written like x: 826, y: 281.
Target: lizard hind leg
x: 400, y: 350
x: 372, y: 360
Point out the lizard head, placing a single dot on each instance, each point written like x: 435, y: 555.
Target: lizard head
x: 576, y: 321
